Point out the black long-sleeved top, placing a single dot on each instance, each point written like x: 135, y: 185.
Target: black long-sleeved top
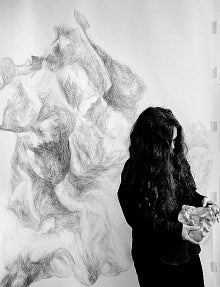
x: 154, y: 235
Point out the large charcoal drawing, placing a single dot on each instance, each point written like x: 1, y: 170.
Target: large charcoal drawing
x: 71, y: 110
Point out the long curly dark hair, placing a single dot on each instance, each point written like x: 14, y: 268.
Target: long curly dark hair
x: 162, y: 173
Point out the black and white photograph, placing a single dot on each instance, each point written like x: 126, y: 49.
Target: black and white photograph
x: 109, y: 143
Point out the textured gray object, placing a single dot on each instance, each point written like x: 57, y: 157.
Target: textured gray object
x: 203, y: 217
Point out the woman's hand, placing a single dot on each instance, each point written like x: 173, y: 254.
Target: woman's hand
x: 186, y: 230
x: 207, y: 201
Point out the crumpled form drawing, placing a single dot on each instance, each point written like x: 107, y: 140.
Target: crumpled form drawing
x: 71, y: 110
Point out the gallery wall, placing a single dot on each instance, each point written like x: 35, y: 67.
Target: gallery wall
x: 169, y: 44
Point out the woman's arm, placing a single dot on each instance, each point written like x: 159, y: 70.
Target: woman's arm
x: 136, y: 214
x: 146, y: 221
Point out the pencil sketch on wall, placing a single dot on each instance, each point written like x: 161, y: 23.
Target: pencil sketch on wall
x: 71, y: 110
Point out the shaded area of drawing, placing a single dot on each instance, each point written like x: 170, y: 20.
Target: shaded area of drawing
x: 71, y: 111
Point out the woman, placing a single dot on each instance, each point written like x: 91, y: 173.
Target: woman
x: 156, y: 181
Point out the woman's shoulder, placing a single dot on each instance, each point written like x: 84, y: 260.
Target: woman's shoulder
x: 130, y: 165
x: 126, y: 168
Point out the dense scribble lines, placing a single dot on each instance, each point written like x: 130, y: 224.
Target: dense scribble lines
x: 71, y: 111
